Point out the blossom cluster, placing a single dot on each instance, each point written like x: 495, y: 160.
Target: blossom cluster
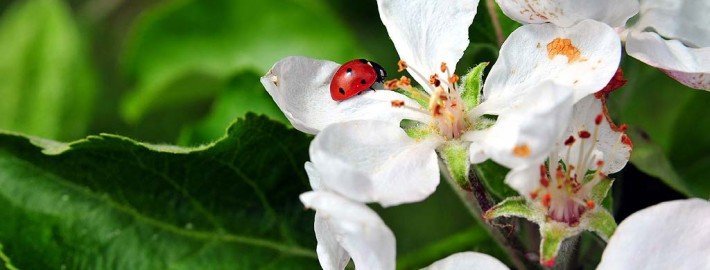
x: 540, y: 112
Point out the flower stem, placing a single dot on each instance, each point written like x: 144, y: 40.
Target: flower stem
x: 491, y: 7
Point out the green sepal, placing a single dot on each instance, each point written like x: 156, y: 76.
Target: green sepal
x: 472, y: 84
x: 415, y: 129
x: 601, y: 222
x: 515, y: 207
x: 455, y: 156
x: 601, y: 189
x: 552, y: 236
x: 417, y: 94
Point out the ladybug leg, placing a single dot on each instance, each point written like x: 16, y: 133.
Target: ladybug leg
x: 373, y: 89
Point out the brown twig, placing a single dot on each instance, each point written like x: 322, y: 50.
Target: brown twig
x: 491, y: 7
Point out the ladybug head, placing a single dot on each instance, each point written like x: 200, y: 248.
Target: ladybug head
x: 381, y: 73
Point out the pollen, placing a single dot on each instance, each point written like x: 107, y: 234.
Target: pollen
x: 392, y: 84
x: 405, y: 81
x: 563, y: 46
x: 454, y: 79
x: 275, y: 80
x: 598, y: 119
x: 444, y: 68
x: 434, y: 80
x: 584, y: 134
x: 521, y: 150
x: 546, y: 200
x: 569, y: 141
x: 397, y: 103
x: 401, y: 65
x: 591, y: 204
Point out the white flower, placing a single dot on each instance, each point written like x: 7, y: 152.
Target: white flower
x: 468, y: 260
x: 674, y: 36
x: 564, y: 184
x: 669, y: 235
x: 347, y: 229
x: 566, y: 13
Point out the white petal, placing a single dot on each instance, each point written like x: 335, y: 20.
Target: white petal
x: 469, y: 261
x: 427, y: 33
x: 355, y: 227
x: 526, y: 133
x: 685, y: 20
x: 670, y: 235
x: 330, y: 254
x: 529, y: 57
x: 566, y: 13
x: 374, y: 161
x: 524, y: 179
x: 300, y: 86
x: 313, y: 176
x: 612, y: 150
x: 690, y: 66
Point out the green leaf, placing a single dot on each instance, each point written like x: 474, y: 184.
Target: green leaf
x: 600, y: 191
x: 221, y: 38
x: 472, y: 86
x: 455, y: 156
x: 601, y: 222
x: 493, y: 176
x: 108, y: 202
x: 47, y: 85
x: 515, y: 207
x: 6, y: 260
x: 667, y: 127
x: 243, y: 94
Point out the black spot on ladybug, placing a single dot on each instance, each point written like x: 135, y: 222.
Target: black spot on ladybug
x: 349, y: 70
x: 363, y: 81
x: 341, y: 90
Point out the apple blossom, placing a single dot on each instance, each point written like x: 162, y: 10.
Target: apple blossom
x: 563, y: 189
x: 566, y: 13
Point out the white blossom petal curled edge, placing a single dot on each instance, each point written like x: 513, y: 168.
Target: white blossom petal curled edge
x: 566, y: 13
x: 345, y: 228
x: 427, y: 33
x: 670, y: 235
x: 468, y: 260
x: 375, y: 161
x: 674, y: 36
x: 583, y: 58
x: 300, y: 86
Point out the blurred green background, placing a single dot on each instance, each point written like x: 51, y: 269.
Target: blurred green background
x: 179, y: 72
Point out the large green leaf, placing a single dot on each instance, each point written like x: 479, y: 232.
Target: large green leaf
x: 47, y: 86
x: 221, y: 38
x: 108, y: 202
x: 668, y: 127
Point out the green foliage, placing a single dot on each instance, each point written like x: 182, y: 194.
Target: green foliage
x: 244, y: 93
x: 667, y: 126
x: 107, y: 202
x: 220, y: 38
x: 46, y: 83
x: 493, y: 177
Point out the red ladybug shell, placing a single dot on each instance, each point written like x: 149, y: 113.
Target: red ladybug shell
x: 354, y: 77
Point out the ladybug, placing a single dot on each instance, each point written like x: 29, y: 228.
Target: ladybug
x: 354, y: 77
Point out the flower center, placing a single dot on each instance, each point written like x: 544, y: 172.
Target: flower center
x: 444, y: 103
x: 567, y: 179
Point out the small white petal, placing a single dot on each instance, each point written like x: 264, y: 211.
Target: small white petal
x: 300, y: 86
x: 566, y: 13
x: 669, y: 235
x: 355, y: 228
x: 469, y: 261
x: 610, y: 147
x: 685, y: 20
x: 540, y: 52
x: 524, y: 179
x: 526, y: 133
x: 375, y: 161
x: 313, y: 176
x: 476, y: 150
x: 427, y: 33
x: 690, y: 66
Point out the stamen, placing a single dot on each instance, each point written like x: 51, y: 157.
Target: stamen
x: 598, y: 120
x: 590, y: 204
x: 405, y: 81
x: 569, y: 140
x: 444, y: 68
x: 401, y: 65
x: 584, y: 134
x: 434, y: 80
x: 397, y: 103
x: 454, y: 79
x: 521, y: 150
x: 546, y: 199
x: 392, y: 84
